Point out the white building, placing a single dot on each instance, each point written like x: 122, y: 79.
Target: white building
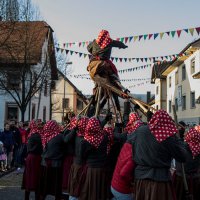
x: 40, y: 60
x: 66, y: 98
x: 183, y: 85
x: 160, y: 85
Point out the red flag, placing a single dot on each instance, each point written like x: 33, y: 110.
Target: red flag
x: 126, y: 39
x: 120, y: 59
x: 79, y: 44
x: 198, y: 30
x: 179, y: 33
x: 150, y: 35
x: 118, y: 39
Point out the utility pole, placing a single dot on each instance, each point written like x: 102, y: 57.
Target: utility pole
x: 63, y: 102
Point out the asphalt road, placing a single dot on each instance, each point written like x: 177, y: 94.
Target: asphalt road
x: 10, y: 187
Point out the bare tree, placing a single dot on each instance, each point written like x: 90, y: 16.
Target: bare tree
x: 20, y: 75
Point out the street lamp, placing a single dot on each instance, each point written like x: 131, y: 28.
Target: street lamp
x: 63, y: 114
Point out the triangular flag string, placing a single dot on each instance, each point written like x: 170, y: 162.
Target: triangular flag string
x: 139, y: 38
x: 116, y: 59
x: 123, y: 80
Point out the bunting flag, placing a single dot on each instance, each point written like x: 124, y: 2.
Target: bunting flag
x: 117, y: 59
x: 129, y: 70
x: 139, y: 84
x: 138, y: 38
x: 123, y: 80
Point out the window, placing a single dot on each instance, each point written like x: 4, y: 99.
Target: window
x: 170, y: 81
x: 53, y: 85
x: 13, y: 81
x: 156, y: 107
x: 183, y: 73
x: 65, y: 103
x: 176, y: 78
x: 176, y: 104
x: 45, y: 88
x: 192, y: 66
x: 157, y: 90
x: 183, y: 102
x: 192, y: 100
x: 170, y: 106
x: 33, y: 111
x: 11, y: 112
x: 44, y: 113
x: 79, y: 104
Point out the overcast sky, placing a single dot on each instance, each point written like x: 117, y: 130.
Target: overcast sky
x: 81, y: 20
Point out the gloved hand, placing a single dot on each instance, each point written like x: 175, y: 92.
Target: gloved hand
x: 108, y: 116
x: 136, y: 107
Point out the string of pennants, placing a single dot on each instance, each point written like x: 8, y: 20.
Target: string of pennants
x: 138, y: 84
x: 144, y: 37
x: 117, y: 59
x: 123, y: 80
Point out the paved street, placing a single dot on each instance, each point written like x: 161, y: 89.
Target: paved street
x: 10, y: 187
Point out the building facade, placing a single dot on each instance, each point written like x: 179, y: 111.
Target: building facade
x: 182, y: 84
x: 66, y: 98
x: 39, y: 68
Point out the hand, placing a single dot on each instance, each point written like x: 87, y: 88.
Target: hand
x: 108, y: 116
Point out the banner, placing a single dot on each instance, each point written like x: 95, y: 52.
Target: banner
x: 139, y: 84
x: 120, y: 59
x: 144, y: 37
x: 83, y: 76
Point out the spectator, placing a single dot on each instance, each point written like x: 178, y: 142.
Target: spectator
x: 17, y: 144
x: 23, y: 147
x: 8, y: 141
x: 3, y: 158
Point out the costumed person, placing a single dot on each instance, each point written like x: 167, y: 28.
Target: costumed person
x: 31, y: 176
x: 100, y: 63
x: 192, y: 168
x: 94, y: 149
x: 69, y: 152
x: 122, y: 181
x: 154, y: 146
x: 78, y: 169
x: 52, y: 160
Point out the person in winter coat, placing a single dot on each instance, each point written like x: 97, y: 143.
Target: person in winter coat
x: 100, y: 63
x: 8, y: 142
x: 122, y: 181
x: 78, y: 169
x: 32, y: 172
x: 154, y: 145
x: 192, y: 167
x: 54, y: 142
x: 94, y: 150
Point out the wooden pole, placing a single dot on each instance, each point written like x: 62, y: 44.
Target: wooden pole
x: 98, y: 101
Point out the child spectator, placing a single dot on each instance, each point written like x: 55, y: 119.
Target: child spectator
x: 3, y: 158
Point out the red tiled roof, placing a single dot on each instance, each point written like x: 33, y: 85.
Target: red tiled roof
x: 20, y: 39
